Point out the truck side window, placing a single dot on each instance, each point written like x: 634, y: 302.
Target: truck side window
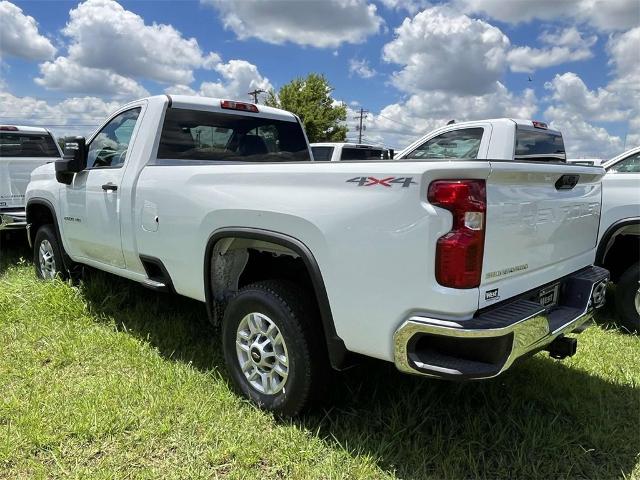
x: 628, y: 165
x: 462, y: 143
x: 109, y: 148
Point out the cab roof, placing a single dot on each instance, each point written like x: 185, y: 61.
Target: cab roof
x: 22, y: 128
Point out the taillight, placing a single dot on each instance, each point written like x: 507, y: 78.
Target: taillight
x: 245, y: 107
x: 459, y: 252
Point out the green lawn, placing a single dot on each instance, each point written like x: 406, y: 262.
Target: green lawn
x: 109, y: 380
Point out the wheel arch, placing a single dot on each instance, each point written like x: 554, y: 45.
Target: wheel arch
x: 41, y: 211
x: 613, y: 238
x: 335, y: 345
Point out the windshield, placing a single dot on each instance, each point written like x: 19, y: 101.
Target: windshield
x: 214, y: 136
x: 539, y: 145
x: 19, y: 144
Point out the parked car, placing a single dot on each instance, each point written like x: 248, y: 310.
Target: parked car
x: 495, y: 139
x: 334, y: 152
x: 619, y: 242
x: 22, y: 149
x: 448, y: 269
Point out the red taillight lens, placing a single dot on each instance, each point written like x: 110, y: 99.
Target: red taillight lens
x: 245, y: 107
x: 459, y: 252
x: 8, y: 128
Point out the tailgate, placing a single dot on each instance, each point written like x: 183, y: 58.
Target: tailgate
x: 15, y: 174
x: 542, y: 223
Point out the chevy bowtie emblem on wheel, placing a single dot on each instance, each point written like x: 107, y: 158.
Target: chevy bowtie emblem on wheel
x: 384, y: 182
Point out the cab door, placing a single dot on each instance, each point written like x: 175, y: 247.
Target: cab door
x: 91, y: 204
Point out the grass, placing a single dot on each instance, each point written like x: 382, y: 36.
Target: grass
x: 109, y: 380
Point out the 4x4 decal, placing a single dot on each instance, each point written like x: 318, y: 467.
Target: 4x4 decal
x: 385, y: 182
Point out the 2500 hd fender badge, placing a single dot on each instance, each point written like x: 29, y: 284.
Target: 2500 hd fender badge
x: 388, y: 182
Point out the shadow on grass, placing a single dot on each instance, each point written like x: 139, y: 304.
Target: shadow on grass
x: 13, y: 246
x: 541, y: 419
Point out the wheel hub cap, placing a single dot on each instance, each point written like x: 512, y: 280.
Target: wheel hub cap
x: 262, y: 353
x: 637, y: 300
x: 47, y: 260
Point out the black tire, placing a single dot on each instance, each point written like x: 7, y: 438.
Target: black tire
x: 626, y: 291
x: 46, y: 233
x: 289, y: 308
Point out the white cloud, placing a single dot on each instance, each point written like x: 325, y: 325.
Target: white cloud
x: 64, y: 74
x: 575, y: 105
x: 19, y: 35
x: 582, y: 139
x: 399, y: 124
x: 73, y: 116
x: 606, y: 15
x: 563, y: 46
x: 238, y: 77
x: 111, y: 47
x: 361, y: 68
x: 411, y: 6
x: 322, y: 24
x: 569, y: 90
x: 444, y: 50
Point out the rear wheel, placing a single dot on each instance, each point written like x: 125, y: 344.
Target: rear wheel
x: 273, y: 346
x: 47, y: 255
x: 628, y: 298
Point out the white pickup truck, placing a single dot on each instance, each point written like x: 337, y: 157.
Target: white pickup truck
x: 619, y: 241
x: 448, y: 269
x: 22, y: 149
x: 493, y: 139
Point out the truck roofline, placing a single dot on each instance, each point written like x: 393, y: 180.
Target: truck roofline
x: 213, y: 104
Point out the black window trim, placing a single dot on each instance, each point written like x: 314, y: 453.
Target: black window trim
x: 97, y: 132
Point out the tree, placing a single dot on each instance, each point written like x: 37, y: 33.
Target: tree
x: 310, y: 99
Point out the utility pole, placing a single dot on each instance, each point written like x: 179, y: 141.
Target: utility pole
x: 361, y: 117
x: 254, y: 94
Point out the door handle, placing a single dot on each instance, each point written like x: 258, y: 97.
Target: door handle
x: 109, y: 187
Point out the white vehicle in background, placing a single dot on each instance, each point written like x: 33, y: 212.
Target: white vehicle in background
x: 493, y: 139
x: 619, y: 240
x: 452, y: 270
x: 22, y: 149
x: 336, y: 151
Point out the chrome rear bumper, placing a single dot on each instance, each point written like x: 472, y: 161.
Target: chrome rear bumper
x: 489, y: 343
x: 13, y: 220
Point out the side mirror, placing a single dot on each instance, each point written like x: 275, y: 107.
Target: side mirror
x: 74, y: 159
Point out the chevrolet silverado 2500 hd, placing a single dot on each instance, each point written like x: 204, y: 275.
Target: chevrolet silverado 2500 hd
x: 22, y: 149
x: 448, y: 269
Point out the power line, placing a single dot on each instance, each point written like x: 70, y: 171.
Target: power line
x: 396, y: 121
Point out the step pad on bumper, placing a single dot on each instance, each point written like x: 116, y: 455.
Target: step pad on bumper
x: 489, y: 343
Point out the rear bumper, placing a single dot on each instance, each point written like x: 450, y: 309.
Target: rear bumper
x: 488, y: 344
x: 15, y: 220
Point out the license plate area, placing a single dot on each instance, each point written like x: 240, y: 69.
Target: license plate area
x: 548, y: 297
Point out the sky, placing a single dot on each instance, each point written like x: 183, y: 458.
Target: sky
x: 412, y: 64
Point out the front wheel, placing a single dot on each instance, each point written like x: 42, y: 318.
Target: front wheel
x: 273, y: 346
x: 47, y: 255
x: 628, y: 297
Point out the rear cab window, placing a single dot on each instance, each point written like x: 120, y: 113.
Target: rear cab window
x: 322, y: 154
x: 202, y: 136
x: 360, y: 153
x: 539, y: 144
x: 27, y: 145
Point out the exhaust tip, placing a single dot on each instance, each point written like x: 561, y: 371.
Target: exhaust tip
x: 562, y: 347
